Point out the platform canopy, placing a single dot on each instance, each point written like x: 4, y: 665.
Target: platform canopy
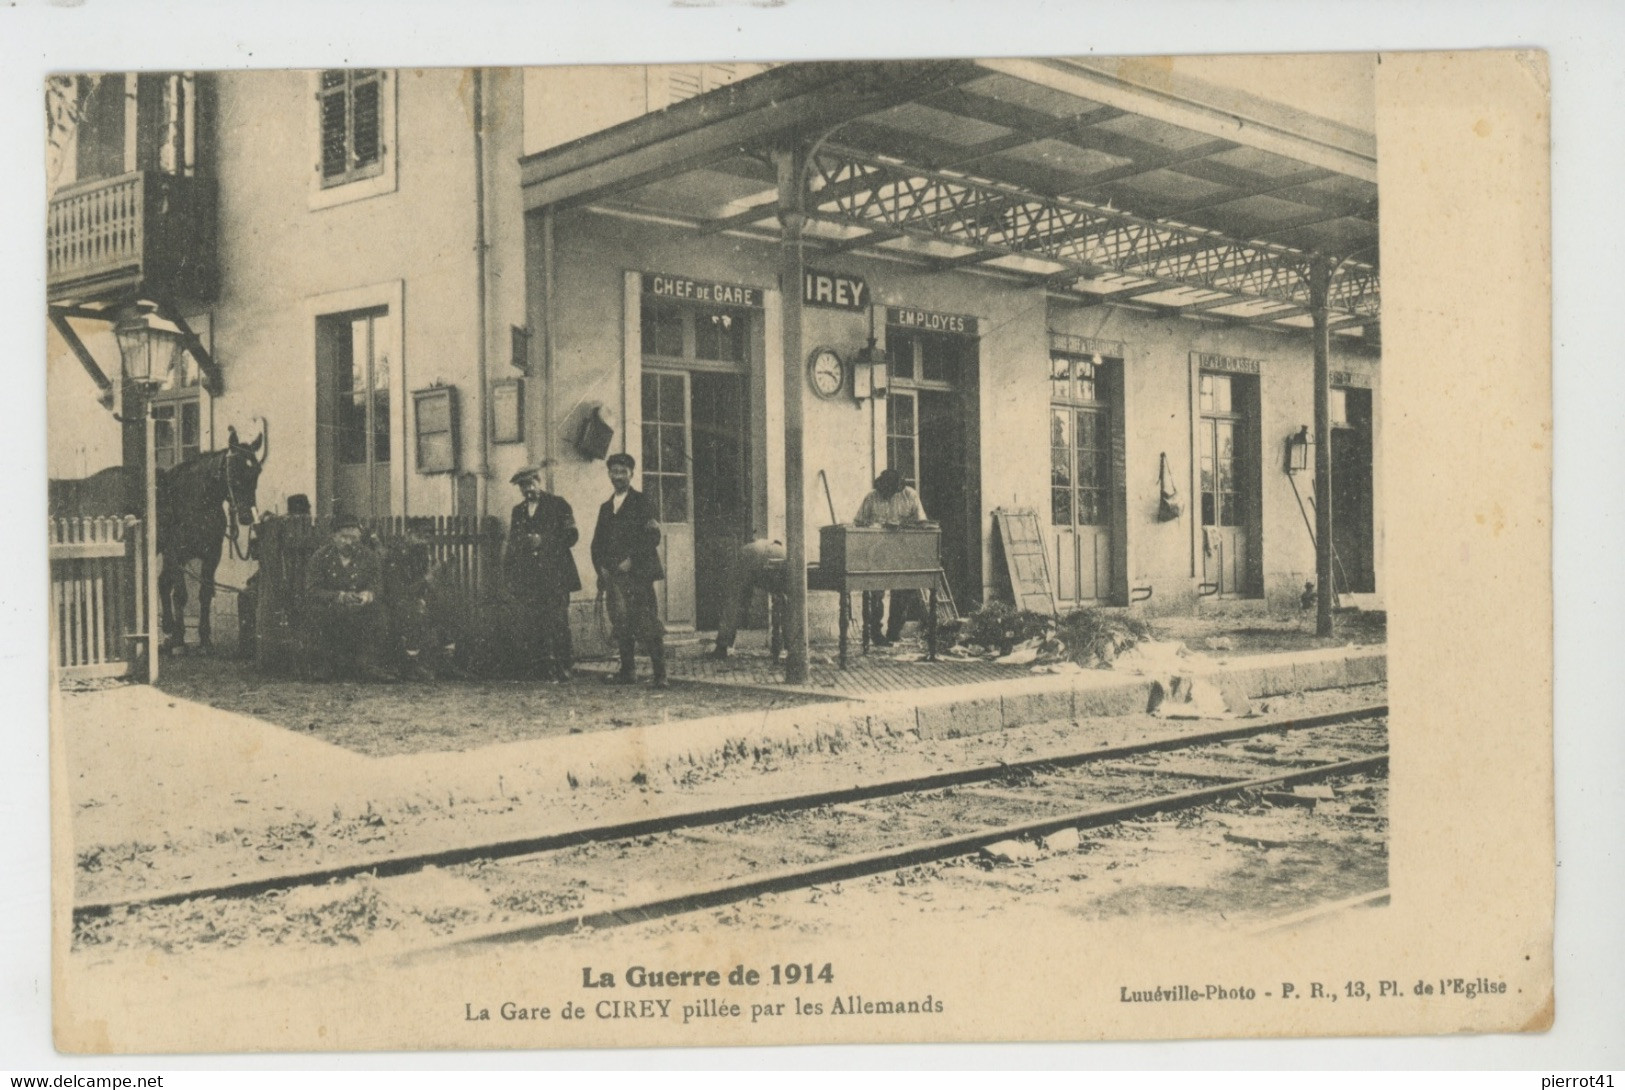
x: 1079, y: 175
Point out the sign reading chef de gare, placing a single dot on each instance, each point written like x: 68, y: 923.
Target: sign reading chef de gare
x: 701, y: 291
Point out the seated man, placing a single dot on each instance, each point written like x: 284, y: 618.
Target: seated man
x: 892, y: 503
x: 757, y: 566
x: 422, y: 612
x: 344, y: 617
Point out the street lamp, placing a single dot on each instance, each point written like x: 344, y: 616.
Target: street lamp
x: 148, y: 345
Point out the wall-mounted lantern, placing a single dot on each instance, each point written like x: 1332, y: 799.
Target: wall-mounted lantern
x: 1299, y: 448
x: 148, y: 345
x: 871, y: 371
x: 871, y: 367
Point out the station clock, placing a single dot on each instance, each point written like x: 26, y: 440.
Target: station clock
x: 826, y: 373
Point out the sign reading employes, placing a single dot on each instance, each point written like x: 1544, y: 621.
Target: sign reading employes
x: 930, y: 321
x: 837, y: 290
x: 701, y: 291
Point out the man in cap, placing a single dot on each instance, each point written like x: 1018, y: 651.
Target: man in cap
x: 626, y: 555
x: 892, y: 503
x: 344, y: 616
x: 541, y: 575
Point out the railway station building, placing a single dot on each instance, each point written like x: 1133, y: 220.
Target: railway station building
x: 1101, y: 293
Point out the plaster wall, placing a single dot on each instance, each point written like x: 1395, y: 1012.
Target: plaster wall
x: 597, y: 256
x: 283, y: 263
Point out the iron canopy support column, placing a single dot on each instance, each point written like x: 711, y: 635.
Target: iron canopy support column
x: 792, y: 213
x: 1320, y: 280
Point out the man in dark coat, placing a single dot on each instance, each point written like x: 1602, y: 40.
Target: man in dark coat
x: 626, y: 555
x: 541, y: 575
x: 343, y: 612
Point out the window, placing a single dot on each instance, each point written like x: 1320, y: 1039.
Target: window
x: 100, y: 133
x: 1080, y: 444
x: 713, y: 334
x: 177, y: 430
x: 934, y: 360
x: 1222, y: 495
x: 360, y: 377
x: 902, y: 436
x: 665, y: 443
x: 351, y: 109
x: 353, y: 130
x: 684, y: 81
x: 177, y: 413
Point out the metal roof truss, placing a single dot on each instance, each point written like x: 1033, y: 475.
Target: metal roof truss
x: 893, y: 199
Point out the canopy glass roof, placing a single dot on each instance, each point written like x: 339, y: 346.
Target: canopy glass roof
x: 1167, y: 193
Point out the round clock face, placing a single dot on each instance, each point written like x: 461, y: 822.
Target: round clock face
x: 826, y: 372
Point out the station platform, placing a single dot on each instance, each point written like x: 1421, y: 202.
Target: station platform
x: 144, y: 765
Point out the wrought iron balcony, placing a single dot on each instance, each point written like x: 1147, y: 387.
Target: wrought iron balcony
x: 145, y: 233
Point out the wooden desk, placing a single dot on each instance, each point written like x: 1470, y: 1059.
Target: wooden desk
x: 876, y: 558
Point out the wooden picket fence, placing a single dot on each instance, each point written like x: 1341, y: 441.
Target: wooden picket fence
x: 465, y: 554
x: 104, y: 620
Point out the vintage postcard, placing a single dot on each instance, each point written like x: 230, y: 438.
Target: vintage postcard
x: 1039, y: 549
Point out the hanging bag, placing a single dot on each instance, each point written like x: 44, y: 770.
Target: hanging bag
x: 1169, y: 506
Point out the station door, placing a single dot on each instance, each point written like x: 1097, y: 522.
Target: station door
x: 1081, y: 480
x: 696, y: 451
x: 1228, y: 481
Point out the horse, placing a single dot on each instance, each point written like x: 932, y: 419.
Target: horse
x: 200, y: 501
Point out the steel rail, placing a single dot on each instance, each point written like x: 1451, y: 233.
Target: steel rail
x: 888, y: 859
x: 388, y: 866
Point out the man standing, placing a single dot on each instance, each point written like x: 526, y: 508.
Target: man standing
x: 892, y: 503
x: 541, y: 575
x: 625, y: 553
x: 343, y: 614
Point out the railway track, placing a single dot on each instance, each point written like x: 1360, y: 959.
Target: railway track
x: 799, y: 840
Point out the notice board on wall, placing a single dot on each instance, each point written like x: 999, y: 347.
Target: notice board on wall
x: 1026, y: 560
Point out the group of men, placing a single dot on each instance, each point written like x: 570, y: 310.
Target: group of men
x: 346, y: 582
x: 541, y: 573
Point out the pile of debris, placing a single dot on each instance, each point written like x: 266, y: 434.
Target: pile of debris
x: 1082, y: 639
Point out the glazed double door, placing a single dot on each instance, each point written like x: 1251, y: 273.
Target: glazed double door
x: 1080, y: 503
x: 696, y: 473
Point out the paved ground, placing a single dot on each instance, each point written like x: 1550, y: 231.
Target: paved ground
x: 882, y: 671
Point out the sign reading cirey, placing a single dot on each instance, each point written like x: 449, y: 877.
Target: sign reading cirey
x: 690, y: 290
x: 839, y: 291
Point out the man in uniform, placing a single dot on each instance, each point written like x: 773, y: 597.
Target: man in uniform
x: 892, y: 503
x: 344, y: 617
x: 541, y: 575
x: 625, y: 553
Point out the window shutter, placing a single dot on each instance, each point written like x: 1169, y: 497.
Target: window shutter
x: 331, y: 101
x: 368, y: 130
x: 686, y: 82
